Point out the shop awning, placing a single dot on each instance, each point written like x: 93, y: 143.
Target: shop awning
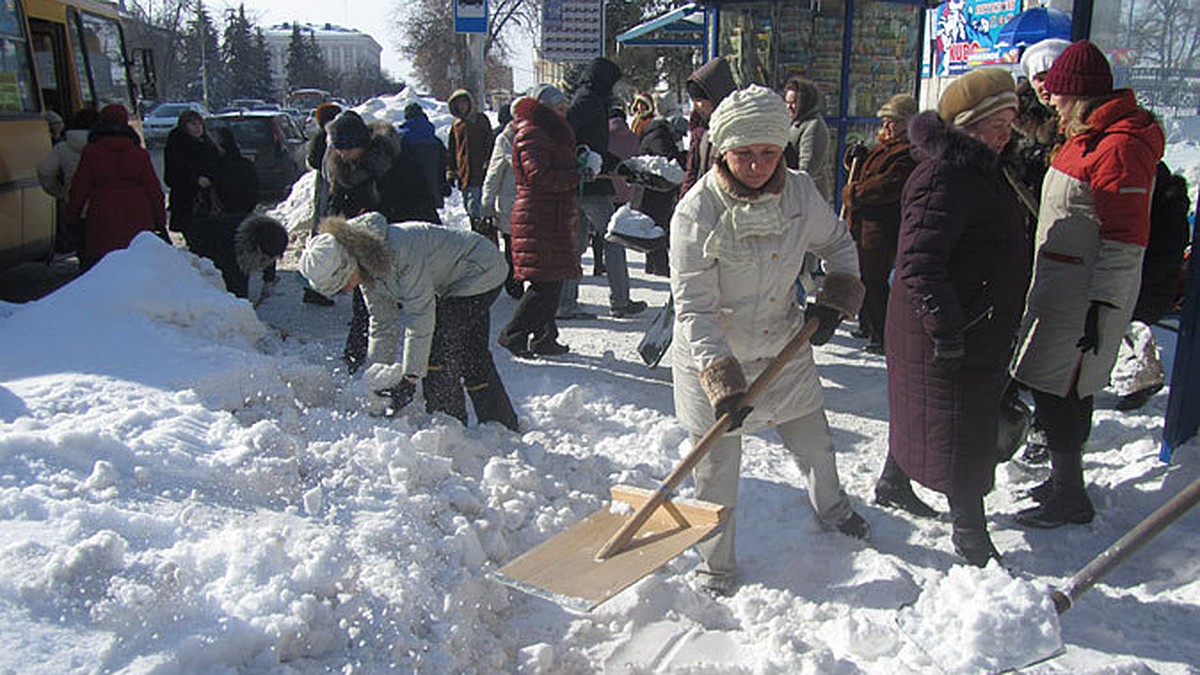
x: 683, y: 27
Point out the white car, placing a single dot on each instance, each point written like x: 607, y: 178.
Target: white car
x: 159, y: 121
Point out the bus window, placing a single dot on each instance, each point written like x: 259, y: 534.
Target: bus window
x: 17, y: 94
x: 49, y: 53
x: 105, y: 61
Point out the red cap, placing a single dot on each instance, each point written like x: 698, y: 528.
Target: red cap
x: 1081, y: 70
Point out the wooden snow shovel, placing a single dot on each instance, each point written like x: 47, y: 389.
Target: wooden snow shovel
x: 1098, y: 568
x: 607, y: 551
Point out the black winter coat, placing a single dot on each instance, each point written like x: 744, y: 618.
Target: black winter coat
x: 1164, y: 253
x: 384, y: 179
x: 588, y: 117
x: 962, y: 268
x: 185, y: 159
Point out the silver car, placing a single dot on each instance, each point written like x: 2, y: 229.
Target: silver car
x: 159, y: 121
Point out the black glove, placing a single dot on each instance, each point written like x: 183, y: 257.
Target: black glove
x: 447, y: 188
x: 829, y: 318
x: 401, y: 393
x: 732, y: 405
x: 948, y: 354
x: 1090, y: 342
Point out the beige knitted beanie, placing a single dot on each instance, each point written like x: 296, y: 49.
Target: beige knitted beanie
x: 749, y: 116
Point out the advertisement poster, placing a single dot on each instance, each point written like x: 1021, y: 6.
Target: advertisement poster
x: 572, y: 30
x: 965, y: 35
x: 470, y: 16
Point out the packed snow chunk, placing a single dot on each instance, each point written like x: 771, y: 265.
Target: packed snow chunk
x: 974, y: 620
x: 296, y: 212
x: 630, y: 223
x: 667, y: 169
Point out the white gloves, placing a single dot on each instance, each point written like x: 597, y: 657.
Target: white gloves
x: 386, y: 389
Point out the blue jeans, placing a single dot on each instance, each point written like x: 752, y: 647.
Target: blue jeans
x: 594, y: 212
x: 472, y: 199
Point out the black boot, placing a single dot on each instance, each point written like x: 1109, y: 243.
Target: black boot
x: 894, y: 489
x: 1068, y: 502
x: 970, y: 536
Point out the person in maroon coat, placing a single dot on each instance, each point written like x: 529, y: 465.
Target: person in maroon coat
x: 545, y: 220
x: 962, y: 267
x: 116, y: 182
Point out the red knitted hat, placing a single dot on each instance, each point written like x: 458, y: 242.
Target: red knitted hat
x: 1081, y: 70
x: 114, y: 113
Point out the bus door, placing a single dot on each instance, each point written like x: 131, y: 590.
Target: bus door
x: 49, y: 41
x: 100, y: 60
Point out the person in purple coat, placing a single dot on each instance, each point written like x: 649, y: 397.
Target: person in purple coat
x: 962, y: 267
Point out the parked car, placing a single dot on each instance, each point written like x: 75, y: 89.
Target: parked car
x: 273, y: 142
x: 159, y: 121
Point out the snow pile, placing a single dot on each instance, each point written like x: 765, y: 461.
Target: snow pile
x: 983, y: 620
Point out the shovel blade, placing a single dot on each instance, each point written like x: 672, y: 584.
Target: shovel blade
x: 564, y: 568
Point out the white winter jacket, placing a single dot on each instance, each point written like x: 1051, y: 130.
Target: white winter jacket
x: 57, y: 168
x: 743, y: 304
x: 499, y: 185
x: 426, y: 262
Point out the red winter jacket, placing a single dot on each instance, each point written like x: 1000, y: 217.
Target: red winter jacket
x: 116, y: 181
x: 545, y: 214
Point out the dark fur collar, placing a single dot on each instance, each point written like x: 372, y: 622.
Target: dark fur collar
x: 933, y: 138
x: 376, y: 160
x: 739, y: 190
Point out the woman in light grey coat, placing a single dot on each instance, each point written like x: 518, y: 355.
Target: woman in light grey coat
x: 738, y: 239
x: 444, y: 281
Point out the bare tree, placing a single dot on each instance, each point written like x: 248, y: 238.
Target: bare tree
x: 1166, y: 35
x: 438, y: 54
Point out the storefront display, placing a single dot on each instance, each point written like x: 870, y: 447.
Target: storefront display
x: 769, y: 42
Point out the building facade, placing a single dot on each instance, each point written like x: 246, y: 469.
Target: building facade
x: 345, y: 50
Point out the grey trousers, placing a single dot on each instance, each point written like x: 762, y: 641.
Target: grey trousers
x: 594, y: 212
x: 716, y: 477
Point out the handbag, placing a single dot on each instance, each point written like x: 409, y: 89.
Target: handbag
x: 1015, y: 419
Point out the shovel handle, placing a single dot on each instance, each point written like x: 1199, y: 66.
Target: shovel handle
x: 624, y: 535
x: 1133, y: 540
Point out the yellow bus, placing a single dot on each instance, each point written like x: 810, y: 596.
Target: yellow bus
x: 59, y: 55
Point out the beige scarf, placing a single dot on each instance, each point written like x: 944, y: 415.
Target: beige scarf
x: 745, y: 213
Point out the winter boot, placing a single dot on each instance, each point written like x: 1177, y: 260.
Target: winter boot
x: 854, y: 526
x: 970, y: 535
x: 1138, y: 398
x: 598, y: 268
x: 900, y: 495
x: 1068, y: 502
x: 894, y: 489
x: 1039, y: 493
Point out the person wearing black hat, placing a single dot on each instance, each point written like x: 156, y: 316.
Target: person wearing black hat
x: 368, y: 170
x: 1093, y: 228
x: 426, y: 149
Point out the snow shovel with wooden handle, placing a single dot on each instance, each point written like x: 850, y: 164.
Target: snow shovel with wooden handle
x: 1050, y: 645
x: 609, y: 550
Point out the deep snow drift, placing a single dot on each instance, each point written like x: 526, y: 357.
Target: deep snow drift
x: 187, y: 484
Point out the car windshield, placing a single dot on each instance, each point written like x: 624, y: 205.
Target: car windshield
x: 251, y: 133
x: 169, y: 110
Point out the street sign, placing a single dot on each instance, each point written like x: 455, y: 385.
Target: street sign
x: 470, y: 16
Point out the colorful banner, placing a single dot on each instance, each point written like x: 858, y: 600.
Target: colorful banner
x: 965, y: 35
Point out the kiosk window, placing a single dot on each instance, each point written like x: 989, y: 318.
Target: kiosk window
x: 17, y: 94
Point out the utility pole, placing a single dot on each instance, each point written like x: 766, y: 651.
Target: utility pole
x: 475, y: 67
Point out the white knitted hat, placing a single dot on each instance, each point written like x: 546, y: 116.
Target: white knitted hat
x: 326, y: 264
x: 1040, y: 56
x: 749, y: 116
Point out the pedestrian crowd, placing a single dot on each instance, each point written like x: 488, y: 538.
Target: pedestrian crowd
x: 1011, y: 246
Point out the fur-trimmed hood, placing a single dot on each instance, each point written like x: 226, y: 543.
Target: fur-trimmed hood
x: 532, y: 112
x: 376, y: 160
x: 933, y: 138
x: 461, y: 94
x: 365, y: 239
x: 258, y: 241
